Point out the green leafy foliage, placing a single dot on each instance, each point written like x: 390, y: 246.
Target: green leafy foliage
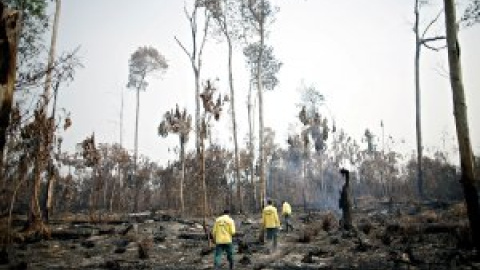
x: 311, y: 98
x: 144, y: 61
x: 472, y: 13
x: 269, y: 63
x: 256, y: 14
x: 34, y: 25
x: 177, y: 122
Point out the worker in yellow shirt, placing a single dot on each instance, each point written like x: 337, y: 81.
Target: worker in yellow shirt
x: 287, y: 213
x: 222, y: 232
x: 271, y: 223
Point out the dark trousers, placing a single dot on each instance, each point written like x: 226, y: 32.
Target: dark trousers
x: 219, y: 249
x: 288, y: 223
x: 272, y: 236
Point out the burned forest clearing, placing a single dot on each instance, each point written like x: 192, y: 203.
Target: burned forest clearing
x: 386, y: 236
x: 239, y: 134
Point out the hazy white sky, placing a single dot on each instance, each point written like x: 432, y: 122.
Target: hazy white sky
x: 358, y: 53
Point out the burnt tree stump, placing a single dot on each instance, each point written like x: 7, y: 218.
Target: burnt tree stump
x: 345, y: 202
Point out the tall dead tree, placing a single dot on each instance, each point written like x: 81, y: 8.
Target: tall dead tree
x: 91, y: 156
x: 46, y: 127
x: 251, y: 146
x: 421, y: 40
x: 212, y: 108
x: 46, y: 93
x: 255, y: 13
x: 179, y: 123
x: 316, y: 129
x: 9, y: 36
x: 195, y: 56
x: 306, y: 121
x: 311, y: 100
x: 225, y: 14
x: 258, y: 15
x: 467, y: 161
x: 144, y: 61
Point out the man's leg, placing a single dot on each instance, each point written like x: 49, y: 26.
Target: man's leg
x: 274, y: 232
x: 230, y: 255
x: 289, y: 223
x: 269, y: 239
x: 218, y: 256
x: 287, y: 217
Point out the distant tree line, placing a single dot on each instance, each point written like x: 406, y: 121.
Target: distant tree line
x: 388, y: 176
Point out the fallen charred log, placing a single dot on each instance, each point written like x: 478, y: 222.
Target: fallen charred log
x: 192, y: 236
x: 424, y: 228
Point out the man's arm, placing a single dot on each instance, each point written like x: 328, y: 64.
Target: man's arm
x: 277, y: 219
x: 232, y: 228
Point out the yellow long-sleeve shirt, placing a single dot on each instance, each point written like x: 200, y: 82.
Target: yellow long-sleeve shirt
x: 270, y: 217
x: 286, y: 209
x: 223, y: 230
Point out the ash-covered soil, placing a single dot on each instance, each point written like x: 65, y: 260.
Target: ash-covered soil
x: 386, y: 236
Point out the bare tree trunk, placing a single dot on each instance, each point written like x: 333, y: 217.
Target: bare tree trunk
x: 97, y: 191
x: 234, y: 125
x: 182, y: 179
x: 383, y: 175
x: 467, y: 161
x: 48, y: 210
x: 46, y: 93
x: 195, y: 57
x: 251, y: 146
x: 196, y: 72
x: 202, y: 172
x: 112, y: 196
x: 123, y: 204
x: 273, y: 179
x: 320, y: 168
x: 105, y: 192
x: 9, y: 34
x: 260, y: 114
x: 304, y: 173
x: 418, y: 47
x: 121, y: 122
x: 35, y: 213
x: 135, y: 155
x: 51, y: 55
x: 119, y: 168
x: 93, y: 197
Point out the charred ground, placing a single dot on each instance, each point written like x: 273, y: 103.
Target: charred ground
x: 385, y: 236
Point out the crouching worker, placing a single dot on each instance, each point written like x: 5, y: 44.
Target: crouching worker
x: 223, y: 230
